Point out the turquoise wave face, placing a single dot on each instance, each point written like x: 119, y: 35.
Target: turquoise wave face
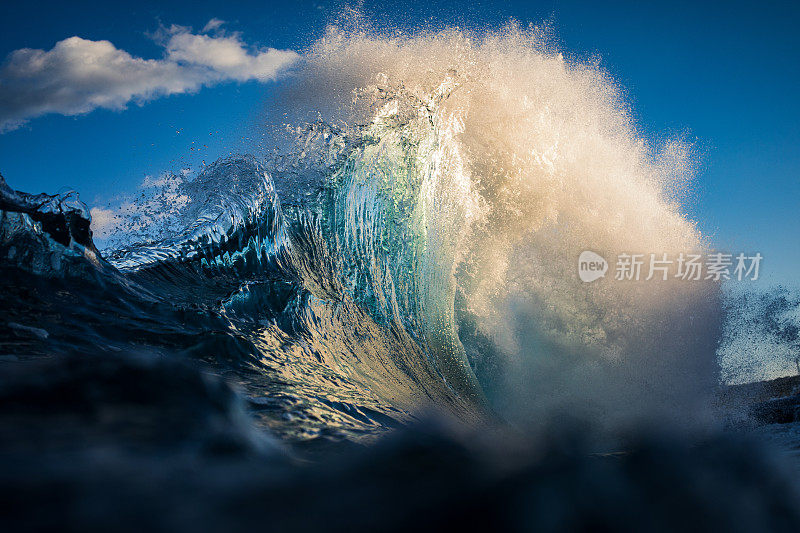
x: 284, y: 303
x: 382, y: 227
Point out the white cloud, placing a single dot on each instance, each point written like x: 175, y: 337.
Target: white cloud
x: 77, y: 75
x: 227, y: 56
x: 104, y: 222
x: 213, y: 24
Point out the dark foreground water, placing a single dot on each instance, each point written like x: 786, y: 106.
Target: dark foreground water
x: 144, y: 443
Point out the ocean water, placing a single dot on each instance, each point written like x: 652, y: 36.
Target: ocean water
x: 411, y: 249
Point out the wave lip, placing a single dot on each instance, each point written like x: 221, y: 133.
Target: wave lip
x: 232, y: 218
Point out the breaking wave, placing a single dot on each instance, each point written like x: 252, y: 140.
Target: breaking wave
x: 416, y: 249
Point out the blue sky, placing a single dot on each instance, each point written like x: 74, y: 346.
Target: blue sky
x: 726, y: 76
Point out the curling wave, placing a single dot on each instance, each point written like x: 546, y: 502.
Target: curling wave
x: 417, y: 248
